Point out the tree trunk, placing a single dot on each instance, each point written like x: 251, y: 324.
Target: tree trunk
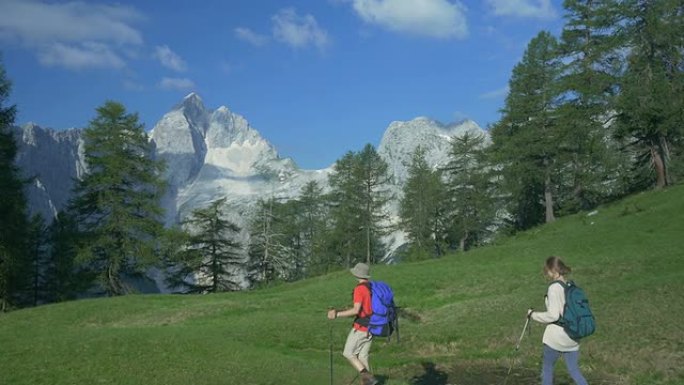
x: 215, y: 275
x: 368, y: 223
x: 659, y: 164
x: 368, y: 254
x: 464, y: 238
x: 665, y: 150
x: 112, y: 282
x: 36, y: 282
x: 548, y: 200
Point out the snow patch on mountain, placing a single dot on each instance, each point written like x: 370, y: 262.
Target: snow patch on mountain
x: 212, y: 154
x: 399, y: 143
x: 401, y: 140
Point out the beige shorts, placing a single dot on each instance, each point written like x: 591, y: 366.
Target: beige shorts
x: 358, y: 345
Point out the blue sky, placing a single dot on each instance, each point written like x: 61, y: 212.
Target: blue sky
x: 316, y: 78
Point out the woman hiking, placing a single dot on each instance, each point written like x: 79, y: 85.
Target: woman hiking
x: 556, y: 341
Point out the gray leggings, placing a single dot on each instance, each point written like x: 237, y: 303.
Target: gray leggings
x: 571, y: 361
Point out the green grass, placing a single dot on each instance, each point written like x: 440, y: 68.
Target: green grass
x: 461, y: 318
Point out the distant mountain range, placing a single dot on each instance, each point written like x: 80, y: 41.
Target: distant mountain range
x: 212, y: 154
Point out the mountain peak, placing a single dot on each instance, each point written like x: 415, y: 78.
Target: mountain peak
x: 193, y: 96
x: 192, y: 102
x: 424, y: 119
x: 223, y: 110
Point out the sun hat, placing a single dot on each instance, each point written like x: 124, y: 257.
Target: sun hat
x: 361, y: 270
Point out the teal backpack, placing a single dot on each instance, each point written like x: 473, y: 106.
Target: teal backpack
x: 577, y: 320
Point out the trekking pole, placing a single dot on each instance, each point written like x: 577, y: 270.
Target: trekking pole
x: 330, y: 343
x: 331, y: 354
x: 517, y: 347
x: 396, y: 321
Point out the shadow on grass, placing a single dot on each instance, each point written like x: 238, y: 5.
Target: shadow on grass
x: 431, y: 376
x: 483, y: 374
x: 408, y: 314
x: 491, y: 375
x: 465, y: 373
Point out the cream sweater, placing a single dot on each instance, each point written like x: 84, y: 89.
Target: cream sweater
x: 554, y: 335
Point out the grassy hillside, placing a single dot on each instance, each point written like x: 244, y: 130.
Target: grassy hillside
x: 462, y: 317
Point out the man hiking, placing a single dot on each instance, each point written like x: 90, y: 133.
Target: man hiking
x: 359, y: 340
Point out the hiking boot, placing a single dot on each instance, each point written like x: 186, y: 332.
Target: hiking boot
x: 368, y: 379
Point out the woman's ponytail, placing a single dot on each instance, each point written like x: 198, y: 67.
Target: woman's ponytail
x: 555, y: 264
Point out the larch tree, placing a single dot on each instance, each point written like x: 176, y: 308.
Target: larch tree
x: 270, y: 253
x: 650, y: 113
x: 210, y: 258
x: 117, y: 203
x: 527, y: 139
x: 422, y: 208
x: 590, y: 47
x: 373, y: 179
x: 470, y: 206
x: 312, y: 213
x: 346, y: 210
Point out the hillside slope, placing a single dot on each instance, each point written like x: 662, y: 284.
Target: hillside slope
x: 461, y: 317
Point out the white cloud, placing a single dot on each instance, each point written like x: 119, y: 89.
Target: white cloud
x: 88, y: 55
x: 36, y: 22
x: 176, y: 84
x: 431, y: 18
x: 496, y: 94
x: 250, y: 36
x: 298, y: 31
x: 74, y: 34
x: 541, y: 9
x: 170, y: 59
x: 132, y: 85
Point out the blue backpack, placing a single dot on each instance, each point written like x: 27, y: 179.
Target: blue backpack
x: 577, y: 320
x: 383, y: 321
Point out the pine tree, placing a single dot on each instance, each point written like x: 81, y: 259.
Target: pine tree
x: 210, y: 256
x: 374, y: 179
x: 346, y: 210
x: 471, y: 204
x: 590, y: 47
x: 312, y: 211
x: 421, y: 208
x: 358, y: 199
x: 271, y: 254
x: 117, y: 203
x: 13, y: 217
x: 527, y: 138
x: 288, y: 225
x: 650, y: 103
x: 65, y: 279
x: 39, y: 257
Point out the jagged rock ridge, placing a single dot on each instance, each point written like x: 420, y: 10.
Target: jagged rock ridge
x: 52, y: 160
x: 216, y: 153
x: 212, y: 154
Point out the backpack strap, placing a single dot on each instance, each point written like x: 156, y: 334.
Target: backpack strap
x: 565, y: 286
x: 363, y: 321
